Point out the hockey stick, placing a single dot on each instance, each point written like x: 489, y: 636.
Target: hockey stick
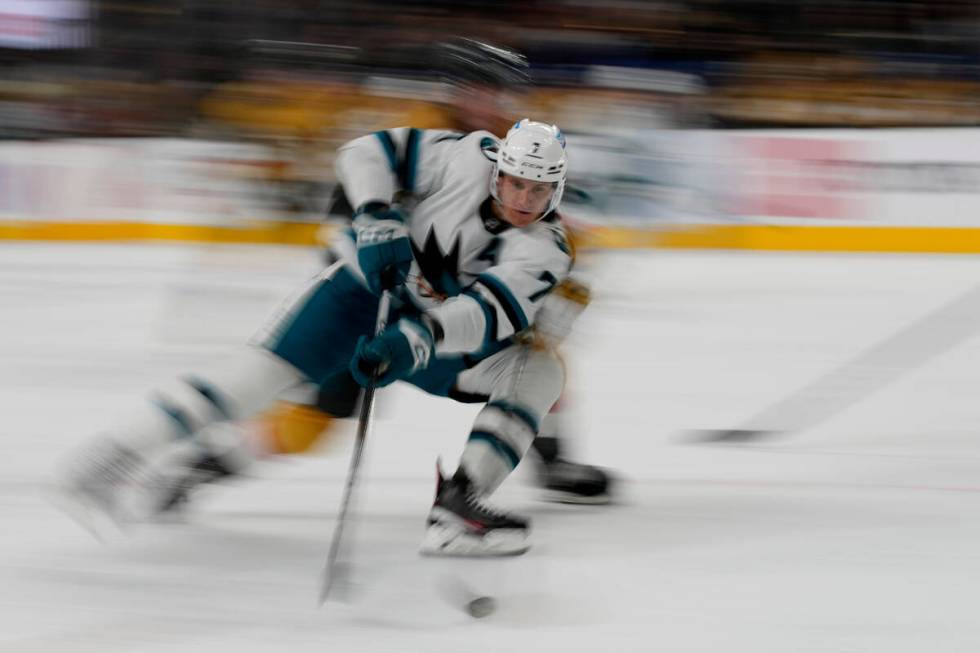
x: 864, y: 374
x: 335, y: 569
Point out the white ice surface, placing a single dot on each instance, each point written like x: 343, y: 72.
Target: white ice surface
x: 860, y: 534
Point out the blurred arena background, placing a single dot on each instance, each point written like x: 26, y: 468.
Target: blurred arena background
x: 698, y: 123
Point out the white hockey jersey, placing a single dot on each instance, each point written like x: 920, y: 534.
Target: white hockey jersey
x: 482, y: 279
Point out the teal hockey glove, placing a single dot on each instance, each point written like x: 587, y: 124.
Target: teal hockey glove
x: 384, y: 251
x: 396, y: 353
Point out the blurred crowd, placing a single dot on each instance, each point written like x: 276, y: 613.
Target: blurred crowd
x: 314, y: 70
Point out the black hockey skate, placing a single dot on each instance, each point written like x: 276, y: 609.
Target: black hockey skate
x: 565, y: 481
x: 207, y: 468
x: 462, y: 524
x: 99, y: 485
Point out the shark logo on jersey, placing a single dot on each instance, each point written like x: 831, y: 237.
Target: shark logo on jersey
x: 439, y: 269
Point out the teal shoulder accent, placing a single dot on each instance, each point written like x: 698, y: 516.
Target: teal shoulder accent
x: 489, y: 147
x: 388, y: 145
x: 405, y: 167
x: 454, y: 136
x: 408, y: 166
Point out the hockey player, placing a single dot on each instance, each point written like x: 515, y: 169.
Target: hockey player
x: 473, y: 264
x: 483, y: 80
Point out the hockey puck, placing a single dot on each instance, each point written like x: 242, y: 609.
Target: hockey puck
x: 481, y: 606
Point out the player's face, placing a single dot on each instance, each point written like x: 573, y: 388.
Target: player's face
x: 522, y: 201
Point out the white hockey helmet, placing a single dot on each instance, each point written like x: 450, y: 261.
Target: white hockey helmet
x: 536, y: 151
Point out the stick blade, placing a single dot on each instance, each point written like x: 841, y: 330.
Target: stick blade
x: 336, y: 584
x: 730, y: 436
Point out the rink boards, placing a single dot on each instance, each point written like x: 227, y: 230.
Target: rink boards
x: 889, y: 190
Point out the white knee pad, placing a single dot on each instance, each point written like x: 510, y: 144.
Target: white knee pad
x: 539, y: 378
x: 240, y: 389
x: 523, y: 385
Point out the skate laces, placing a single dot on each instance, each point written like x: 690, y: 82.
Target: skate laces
x: 475, y: 501
x: 112, y: 465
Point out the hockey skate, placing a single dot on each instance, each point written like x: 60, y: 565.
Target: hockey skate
x: 183, y: 481
x: 100, y: 486
x: 565, y: 481
x: 462, y: 524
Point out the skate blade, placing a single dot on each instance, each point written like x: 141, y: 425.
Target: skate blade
x: 338, y: 585
x: 448, y: 541
x: 557, y: 496
x: 87, y: 513
x: 730, y: 436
